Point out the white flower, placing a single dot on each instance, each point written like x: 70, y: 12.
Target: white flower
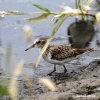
x: 68, y: 10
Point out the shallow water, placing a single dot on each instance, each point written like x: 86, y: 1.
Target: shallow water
x: 11, y: 28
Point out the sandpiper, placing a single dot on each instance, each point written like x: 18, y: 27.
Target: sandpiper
x: 58, y: 54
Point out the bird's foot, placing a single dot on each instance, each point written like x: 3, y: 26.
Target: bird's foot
x: 51, y: 73
x: 65, y: 70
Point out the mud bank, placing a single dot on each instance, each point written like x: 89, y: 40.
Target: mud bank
x: 81, y: 82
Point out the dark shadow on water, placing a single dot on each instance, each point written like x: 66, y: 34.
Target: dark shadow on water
x: 97, y: 5
x: 81, y: 33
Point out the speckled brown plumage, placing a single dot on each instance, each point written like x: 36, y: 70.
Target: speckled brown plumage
x: 63, y: 52
x: 58, y: 54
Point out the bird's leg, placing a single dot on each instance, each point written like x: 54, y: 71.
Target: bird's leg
x: 53, y: 70
x: 65, y: 70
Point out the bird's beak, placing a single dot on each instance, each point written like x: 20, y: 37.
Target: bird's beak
x: 30, y: 47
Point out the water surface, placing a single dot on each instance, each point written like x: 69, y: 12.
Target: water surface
x: 11, y: 28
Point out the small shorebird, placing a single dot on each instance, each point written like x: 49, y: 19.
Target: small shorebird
x: 58, y: 54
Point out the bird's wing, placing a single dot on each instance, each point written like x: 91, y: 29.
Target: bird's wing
x: 63, y: 52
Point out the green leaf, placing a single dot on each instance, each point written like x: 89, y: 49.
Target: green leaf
x: 48, y: 41
x: 59, y: 18
x: 42, y: 8
x: 14, y: 12
x: 3, y: 91
x: 39, y: 18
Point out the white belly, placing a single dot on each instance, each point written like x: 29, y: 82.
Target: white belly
x: 58, y: 62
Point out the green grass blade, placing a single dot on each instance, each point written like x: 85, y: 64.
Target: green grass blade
x: 48, y: 41
x: 59, y: 18
x: 42, y: 8
x: 4, y: 91
x: 39, y: 18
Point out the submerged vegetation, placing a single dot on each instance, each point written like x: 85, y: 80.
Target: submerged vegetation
x: 83, y: 10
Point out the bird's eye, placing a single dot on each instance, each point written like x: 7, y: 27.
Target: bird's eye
x: 38, y: 41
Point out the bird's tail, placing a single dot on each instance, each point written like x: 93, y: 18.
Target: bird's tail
x: 88, y: 49
x: 82, y: 50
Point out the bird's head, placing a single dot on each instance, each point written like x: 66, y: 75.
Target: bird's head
x: 39, y: 42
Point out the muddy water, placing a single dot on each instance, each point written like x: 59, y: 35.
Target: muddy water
x: 11, y: 29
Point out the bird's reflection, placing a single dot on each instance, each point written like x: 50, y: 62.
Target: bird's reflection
x: 80, y: 33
